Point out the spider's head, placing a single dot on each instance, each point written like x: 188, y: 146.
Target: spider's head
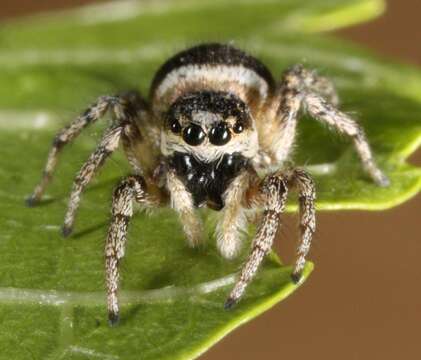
x: 209, y: 124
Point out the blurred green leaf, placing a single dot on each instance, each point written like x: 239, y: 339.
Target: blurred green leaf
x: 52, y: 303
x: 127, y: 24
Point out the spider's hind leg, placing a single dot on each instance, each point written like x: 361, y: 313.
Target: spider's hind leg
x: 320, y: 109
x: 125, y: 110
x: 64, y: 137
x: 122, y: 106
x: 302, y: 88
x: 107, y: 146
x: 312, y: 82
x: 320, y: 100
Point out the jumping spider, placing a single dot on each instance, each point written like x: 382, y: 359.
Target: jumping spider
x: 216, y: 117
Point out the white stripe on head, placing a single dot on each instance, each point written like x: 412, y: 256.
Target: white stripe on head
x: 205, y: 118
x: 214, y: 73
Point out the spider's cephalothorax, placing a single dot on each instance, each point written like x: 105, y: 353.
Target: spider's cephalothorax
x: 209, y: 138
x: 215, y: 116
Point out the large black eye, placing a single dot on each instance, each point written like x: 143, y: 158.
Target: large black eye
x: 193, y: 135
x: 175, y: 126
x: 219, y: 135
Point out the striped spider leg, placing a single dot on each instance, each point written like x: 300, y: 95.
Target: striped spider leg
x: 124, y: 110
x: 271, y: 195
x: 299, y: 89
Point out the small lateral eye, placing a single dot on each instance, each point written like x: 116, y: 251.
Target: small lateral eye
x: 238, y: 127
x: 175, y: 126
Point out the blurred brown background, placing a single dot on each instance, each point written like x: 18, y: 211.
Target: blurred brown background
x: 364, y: 299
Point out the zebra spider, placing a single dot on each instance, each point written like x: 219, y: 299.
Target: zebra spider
x: 215, y: 118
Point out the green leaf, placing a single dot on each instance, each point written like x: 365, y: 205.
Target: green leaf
x: 52, y: 302
x: 53, y: 305
x: 127, y: 23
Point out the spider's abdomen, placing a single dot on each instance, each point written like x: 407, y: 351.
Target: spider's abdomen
x: 207, y: 181
x: 212, y: 67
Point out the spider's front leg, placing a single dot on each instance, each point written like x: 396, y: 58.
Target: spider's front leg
x: 132, y: 188
x: 274, y: 190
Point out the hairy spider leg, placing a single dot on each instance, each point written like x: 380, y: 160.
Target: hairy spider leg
x: 306, y: 189
x: 301, y: 88
x: 130, y: 189
x: 107, y: 146
x: 274, y: 190
x: 64, y: 137
x: 124, y: 109
x: 325, y: 112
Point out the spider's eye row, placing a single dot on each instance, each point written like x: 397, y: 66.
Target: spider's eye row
x: 175, y: 126
x: 238, y: 127
x: 219, y: 135
x: 193, y: 135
